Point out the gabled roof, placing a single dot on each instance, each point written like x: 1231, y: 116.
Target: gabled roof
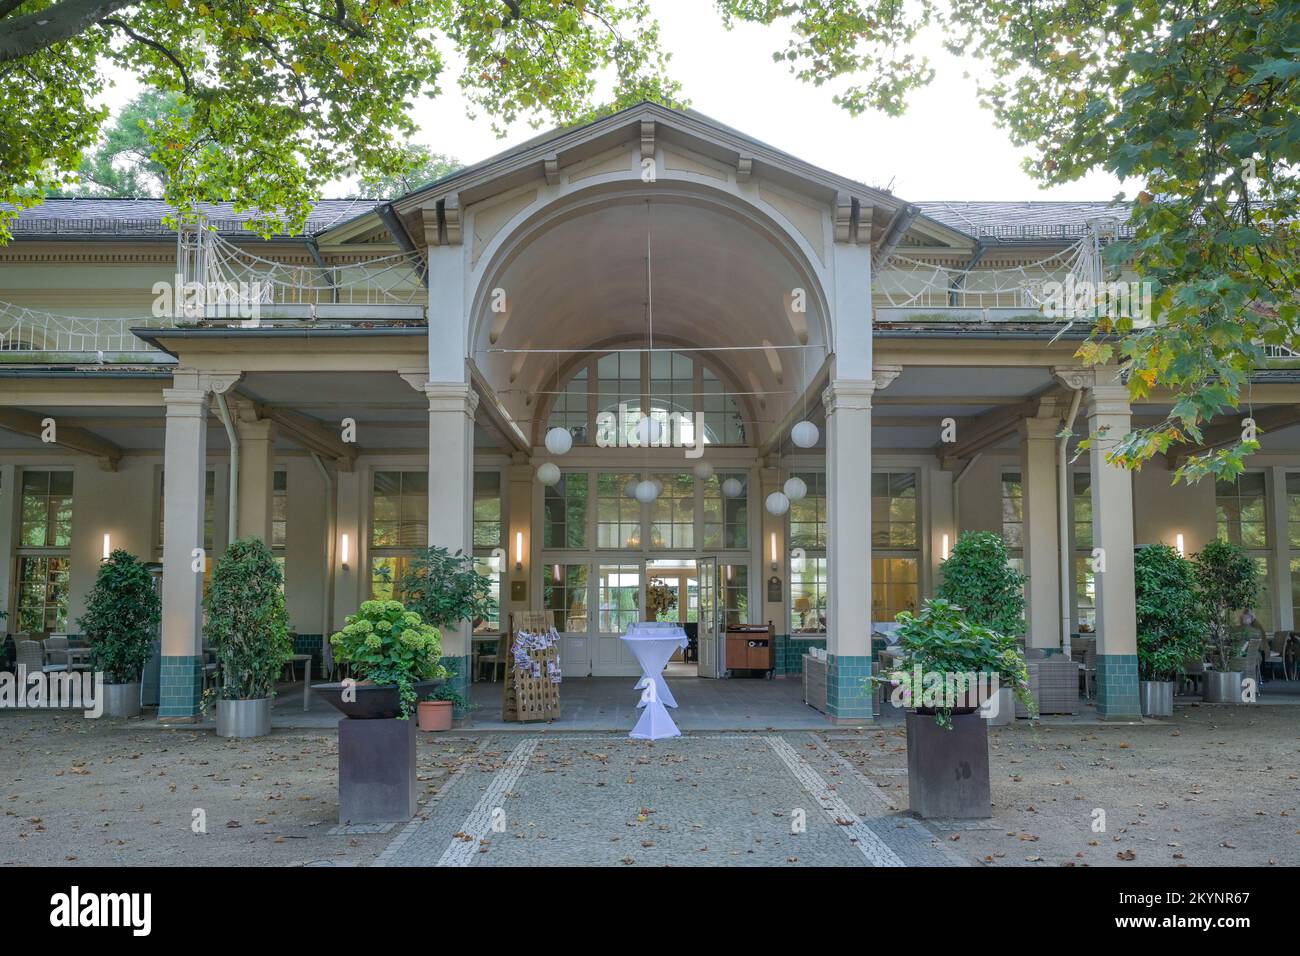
x: 1023, y: 220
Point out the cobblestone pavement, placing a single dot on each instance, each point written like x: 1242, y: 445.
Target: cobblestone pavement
x: 702, y: 800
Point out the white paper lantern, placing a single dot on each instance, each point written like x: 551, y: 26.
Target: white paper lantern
x: 548, y: 473
x: 558, y: 441
x: 795, y: 489
x: 804, y: 434
x: 777, y: 503
x: 732, y: 488
x: 646, y: 492
x: 629, y: 490
x: 704, y: 471
x: 648, y: 431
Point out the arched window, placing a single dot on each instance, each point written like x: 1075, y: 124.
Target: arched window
x: 621, y: 387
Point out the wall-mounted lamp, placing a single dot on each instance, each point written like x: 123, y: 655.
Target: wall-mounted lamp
x: 1178, y: 543
x: 945, y: 547
x: 343, y: 550
x: 774, y: 560
x: 108, y: 545
x: 519, y: 551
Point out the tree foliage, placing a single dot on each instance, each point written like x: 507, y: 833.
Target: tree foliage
x: 421, y: 166
x: 1228, y: 582
x: 978, y: 579
x: 445, y: 588
x: 1171, y: 625
x: 122, y: 615
x: 247, y: 624
x: 277, y: 99
x: 121, y: 166
x: 1194, y: 99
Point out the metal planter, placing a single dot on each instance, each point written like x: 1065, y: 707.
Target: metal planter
x: 244, y: 718
x: 1157, y: 697
x: 948, y: 770
x: 1000, y: 709
x: 1222, y: 687
x: 122, y: 700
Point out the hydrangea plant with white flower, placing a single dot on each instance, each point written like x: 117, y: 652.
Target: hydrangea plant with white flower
x: 385, y: 643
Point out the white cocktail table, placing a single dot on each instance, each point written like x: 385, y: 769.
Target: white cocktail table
x: 652, y: 644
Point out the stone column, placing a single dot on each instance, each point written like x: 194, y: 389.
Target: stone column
x: 1041, y: 532
x: 1279, y: 531
x: 184, y: 464
x: 1109, y: 418
x: 451, y: 496
x: 256, y: 464
x: 848, y: 549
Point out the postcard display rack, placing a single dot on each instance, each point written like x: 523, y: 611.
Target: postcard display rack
x: 532, y: 684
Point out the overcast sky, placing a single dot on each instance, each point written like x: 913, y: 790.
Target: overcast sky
x: 944, y: 147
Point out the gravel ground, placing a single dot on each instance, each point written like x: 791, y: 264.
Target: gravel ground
x: 117, y: 792
x: 1211, y: 786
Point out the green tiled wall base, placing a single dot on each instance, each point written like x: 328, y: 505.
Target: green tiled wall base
x: 790, y: 652
x: 180, y: 685
x: 309, y: 644
x: 460, y: 668
x: 1117, y: 687
x: 848, y: 692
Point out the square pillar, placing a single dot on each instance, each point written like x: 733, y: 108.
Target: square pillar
x: 1109, y: 418
x: 1042, y: 534
x: 848, y: 550
x: 451, y: 498
x: 256, y: 464
x: 181, y: 675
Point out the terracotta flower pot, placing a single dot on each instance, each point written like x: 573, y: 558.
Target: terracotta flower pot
x: 434, y: 714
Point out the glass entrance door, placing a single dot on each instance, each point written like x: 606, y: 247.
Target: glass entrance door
x: 710, y: 641
x: 620, y: 596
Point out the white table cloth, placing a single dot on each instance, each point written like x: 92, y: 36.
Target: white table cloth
x: 652, y: 644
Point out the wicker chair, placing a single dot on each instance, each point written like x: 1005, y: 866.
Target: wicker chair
x: 56, y: 652
x: 1249, y: 663
x: 31, y: 655
x: 1283, y: 652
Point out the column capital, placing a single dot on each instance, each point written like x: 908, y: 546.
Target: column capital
x: 847, y: 394
x: 1039, y: 429
x: 208, y: 382
x: 1108, y: 400
x: 882, y: 376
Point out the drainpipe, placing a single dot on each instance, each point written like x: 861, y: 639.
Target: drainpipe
x: 1063, y: 518
x: 327, y: 611
x: 234, y: 466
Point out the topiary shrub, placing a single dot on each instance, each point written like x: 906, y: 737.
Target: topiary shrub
x: 977, y: 578
x: 121, y: 616
x: 247, y: 624
x: 1171, y: 625
x: 1228, y: 583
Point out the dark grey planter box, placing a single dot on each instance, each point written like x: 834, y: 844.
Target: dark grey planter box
x: 376, y: 770
x: 948, y: 770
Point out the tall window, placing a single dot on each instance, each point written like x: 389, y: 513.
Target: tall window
x: 808, y: 514
x: 1013, y: 512
x: 618, y: 386
x: 723, y: 423
x: 399, y: 523
x: 807, y: 533
x: 672, y: 514
x: 487, y: 537
x: 564, y: 591
x: 44, y: 540
x: 280, y: 519
x: 808, y: 595
x: 895, y: 540
x: 564, y: 512
x: 1241, y: 512
x: 1085, y: 581
x: 1293, y: 538
x: 726, y: 520
x: 570, y: 409
x: 618, y: 515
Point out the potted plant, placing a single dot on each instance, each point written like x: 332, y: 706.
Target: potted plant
x: 1228, y: 583
x: 446, y: 589
x: 948, y: 664
x: 394, y: 653
x: 436, y: 709
x: 978, y: 579
x: 1170, y: 624
x: 122, y: 613
x: 248, y: 629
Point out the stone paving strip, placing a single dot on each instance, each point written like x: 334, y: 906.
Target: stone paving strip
x: 698, y: 800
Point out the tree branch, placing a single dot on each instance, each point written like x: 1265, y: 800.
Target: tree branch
x: 152, y: 44
x: 34, y: 32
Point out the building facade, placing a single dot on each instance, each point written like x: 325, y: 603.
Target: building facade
x: 388, y: 380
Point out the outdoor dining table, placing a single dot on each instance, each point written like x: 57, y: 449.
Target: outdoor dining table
x: 76, y: 655
x: 652, y: 644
